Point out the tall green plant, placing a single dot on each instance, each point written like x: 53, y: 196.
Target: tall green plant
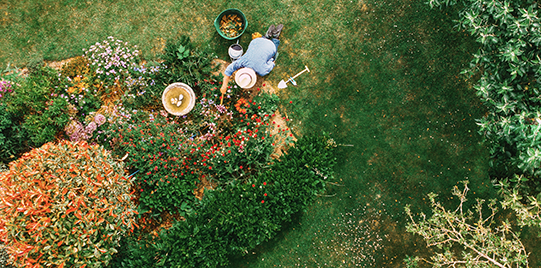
x: 186, y: 63
x: 181, y: 62
x: 479, y: 239
x: 509, y: 65
x: 30, y: 113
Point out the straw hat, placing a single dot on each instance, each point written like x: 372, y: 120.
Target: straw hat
x: 245, y: 77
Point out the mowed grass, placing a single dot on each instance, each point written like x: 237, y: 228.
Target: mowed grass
x: 384, y: 82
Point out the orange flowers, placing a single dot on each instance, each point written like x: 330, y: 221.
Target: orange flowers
x: 240, y: 104
x: 41, y: 195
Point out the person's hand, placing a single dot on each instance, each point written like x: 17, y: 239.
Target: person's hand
x: 223, y: 89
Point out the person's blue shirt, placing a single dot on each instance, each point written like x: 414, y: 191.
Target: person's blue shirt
x: 259, y: 56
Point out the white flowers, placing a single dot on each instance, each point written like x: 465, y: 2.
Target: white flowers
x: 112, y: 58
x: 177, y: 101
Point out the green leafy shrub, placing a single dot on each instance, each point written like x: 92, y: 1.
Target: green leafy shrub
x: 527, y: 210
x: 31, y: 114
x: 238, y: 216
x: 508, y: 62
x: 12, y: 135
x: 181, y: 62
x: 64, y: 204
x: 44, y: 125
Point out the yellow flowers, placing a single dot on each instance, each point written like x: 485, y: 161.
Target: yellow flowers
x: 80, y: 85
x: 231, y: 25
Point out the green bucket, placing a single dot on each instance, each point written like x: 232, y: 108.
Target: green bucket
x: 227, y: 12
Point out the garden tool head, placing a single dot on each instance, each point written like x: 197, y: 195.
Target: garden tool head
x: 283, y: 84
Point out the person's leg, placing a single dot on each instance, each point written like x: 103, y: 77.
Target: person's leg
x: 270, y: 31
x: 276, y: 43
x: 277, y: 30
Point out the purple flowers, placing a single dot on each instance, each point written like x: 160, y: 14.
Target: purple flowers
x: 74, y: 130
x: 5, y: 87
x: 112, y: 58
x: 77, y: 131
x: 221, y: 109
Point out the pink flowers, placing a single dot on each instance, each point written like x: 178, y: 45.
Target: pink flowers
x: 91, y: 127
x: 99, y: 119
x: 5, y: 87
x: 74, y: 130
x: 112, y: 58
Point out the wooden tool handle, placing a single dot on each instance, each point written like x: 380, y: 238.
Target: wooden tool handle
x: 301, y: 72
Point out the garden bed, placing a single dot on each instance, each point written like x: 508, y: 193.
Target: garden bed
x: 185, y: 171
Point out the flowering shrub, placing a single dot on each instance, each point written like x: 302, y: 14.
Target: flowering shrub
x: 111, y: 61
x: 76, y: 131
x: 64, y: 204
x: 5, y: 87
x: 142, y: 90
x: 193, y: 67
x: 239, y: 216
x: 81, y: 94
x: 158, y: 154
x: 170, y: 154
x: 241, y: 105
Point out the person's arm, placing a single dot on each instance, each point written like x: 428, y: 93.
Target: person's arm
x: 223, y: 89
x: 229, y: 70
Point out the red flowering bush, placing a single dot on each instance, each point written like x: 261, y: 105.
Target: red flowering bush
x: 64, y: 205
x: 170, y: 154
x: 237, y: 217
x: 160, y: 156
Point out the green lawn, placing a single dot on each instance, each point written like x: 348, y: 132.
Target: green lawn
x: 384, y: 82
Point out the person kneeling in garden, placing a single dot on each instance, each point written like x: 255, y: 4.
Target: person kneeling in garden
x: 259, y: 58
